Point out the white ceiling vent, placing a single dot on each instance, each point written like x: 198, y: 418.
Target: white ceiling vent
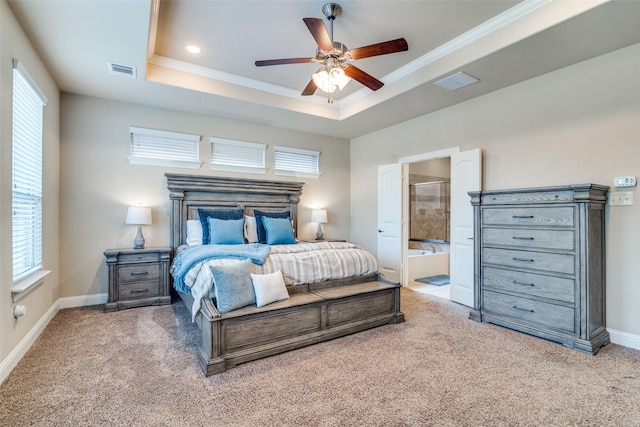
x: 122, y: 70
x: 456, y: 81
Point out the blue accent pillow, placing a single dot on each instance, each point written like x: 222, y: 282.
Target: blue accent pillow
x: 218, y: 214
x: 232, y: 286
x: 226, y: 231
x: 262, y: 236
x: 278, y: 231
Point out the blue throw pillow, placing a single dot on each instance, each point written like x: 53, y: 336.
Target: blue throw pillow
x: 278, y: 230
x: 226, y: 231
x: 262, y: 236
x: 218, y: 214
x: 232, y: 286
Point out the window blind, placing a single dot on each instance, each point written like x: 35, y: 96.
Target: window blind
x: 296, y: 160
x: 28, y: 104
x: 237, y: 154
x: 163, y: 148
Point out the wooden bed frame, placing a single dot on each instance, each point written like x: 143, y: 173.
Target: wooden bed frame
x: 315, y: 312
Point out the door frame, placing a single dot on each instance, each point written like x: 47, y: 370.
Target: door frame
x: 432, y: 155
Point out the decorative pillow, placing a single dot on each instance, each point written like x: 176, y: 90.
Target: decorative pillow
x: 250, y: 229
x: 278, y: 231
x: 226, y: 231
x: 269, y: 288
x: 194, y: 232
x: 262, y: 237
x: 232, y: 285
x: 218, y: 214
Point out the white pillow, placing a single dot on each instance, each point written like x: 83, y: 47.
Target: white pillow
x: 250, y: 229
x: 194, y: 232
x: 269, y: 288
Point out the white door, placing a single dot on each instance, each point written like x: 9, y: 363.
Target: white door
x: 390, y: 221
x: 466, y: 175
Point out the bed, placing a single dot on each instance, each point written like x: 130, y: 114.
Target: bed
x: 320, y: 301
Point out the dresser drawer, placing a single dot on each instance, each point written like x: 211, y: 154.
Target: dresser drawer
x: 138, y: 290
x: 137, y: 256
x: 529, y: 310
x: 531, y: 238
x: 536, y: 285
x: 541, y: 216
x: 551, y: 263
x: 528, y: 197
x: 138, y: 273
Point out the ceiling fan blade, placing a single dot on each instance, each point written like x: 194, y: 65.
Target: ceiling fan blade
x: 310, y: 89
x: 366, y: 79
x: 391, y: 46
x: 319, y: 33
x: 283, y: 61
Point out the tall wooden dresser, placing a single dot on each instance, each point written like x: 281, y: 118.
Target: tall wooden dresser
x: 540, y: 262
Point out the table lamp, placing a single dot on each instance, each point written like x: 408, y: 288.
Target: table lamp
x: 319, y: 216
x: 137, y: 215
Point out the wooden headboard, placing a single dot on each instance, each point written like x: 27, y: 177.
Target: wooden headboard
x: 188, y: 193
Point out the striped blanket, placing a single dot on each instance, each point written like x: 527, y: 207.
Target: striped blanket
x: 300, y: 263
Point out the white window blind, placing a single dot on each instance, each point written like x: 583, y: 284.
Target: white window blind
x: 28, y: 104
x: 294, y: 161
x: 163, y: 148
x: 237, y: 156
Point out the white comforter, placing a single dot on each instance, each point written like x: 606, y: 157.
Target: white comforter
x: 300, y: 263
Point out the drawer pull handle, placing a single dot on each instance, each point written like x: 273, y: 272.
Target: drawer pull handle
x: 515, y: 282
x: 522, y: 238
x: 139, y: 291
x: 515, y: 307
x: 522, y: 216
x: 142, y: 273
x: 522, y: 259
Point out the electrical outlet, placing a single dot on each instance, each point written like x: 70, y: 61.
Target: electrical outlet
x: 621, y: 198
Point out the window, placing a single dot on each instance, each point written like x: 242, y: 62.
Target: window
x: 26, y: 179
x: 237, y: 156
x: 294, y: 161
x: 161, y: 148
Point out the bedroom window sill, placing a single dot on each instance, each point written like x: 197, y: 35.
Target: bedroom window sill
x: 164, y: 162
x: 29, y: 283
x: 296, y: 174
x: 240, y: 169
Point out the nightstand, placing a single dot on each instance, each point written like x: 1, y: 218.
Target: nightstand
x: 137, y: 277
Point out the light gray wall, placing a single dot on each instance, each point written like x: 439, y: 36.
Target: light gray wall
x: 14, y: 44
x: 98, y: 182
x: 579, y: 124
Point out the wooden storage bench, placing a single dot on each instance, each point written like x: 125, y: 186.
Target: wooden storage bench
x: 313, y: 313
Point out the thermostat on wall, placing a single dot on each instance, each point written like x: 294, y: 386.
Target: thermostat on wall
x: 624, y: 181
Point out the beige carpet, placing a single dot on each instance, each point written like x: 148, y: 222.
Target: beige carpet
x: 138, y: 367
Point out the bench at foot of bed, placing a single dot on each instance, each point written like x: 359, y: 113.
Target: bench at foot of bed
x: 321, y: 312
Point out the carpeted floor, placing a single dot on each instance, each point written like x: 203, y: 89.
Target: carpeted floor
x: 138, y: 367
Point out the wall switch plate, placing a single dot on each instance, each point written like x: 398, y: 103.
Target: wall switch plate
x: 621, y: 198
x: 624, y: 181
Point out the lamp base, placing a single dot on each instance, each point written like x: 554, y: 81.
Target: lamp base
x: 138, y: 242
x: 319, y: 235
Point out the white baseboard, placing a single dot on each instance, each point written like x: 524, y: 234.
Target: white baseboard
x: 624, y: 339
x: 10, y: 362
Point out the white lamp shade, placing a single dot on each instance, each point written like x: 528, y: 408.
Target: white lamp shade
x: 137, y: 215
x: 319, y: 215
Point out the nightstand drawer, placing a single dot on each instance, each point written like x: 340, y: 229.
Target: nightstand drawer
x: 530, y: 238
x: 549, y: 315
x: 537, y: 285
x: 138, y: 273
x: 542, y: 261
x: 138, y: 290
x: 553, y: 216
x: 138, y: 256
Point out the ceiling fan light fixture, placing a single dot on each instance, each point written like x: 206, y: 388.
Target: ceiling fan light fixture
x: 330, y: 79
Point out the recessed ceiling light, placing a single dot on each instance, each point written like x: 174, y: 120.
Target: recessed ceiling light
x: 191, y: 48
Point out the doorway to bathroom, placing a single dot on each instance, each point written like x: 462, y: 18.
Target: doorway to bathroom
x: 429, y: 217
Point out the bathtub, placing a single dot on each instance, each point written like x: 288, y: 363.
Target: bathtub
x: 424, y: 263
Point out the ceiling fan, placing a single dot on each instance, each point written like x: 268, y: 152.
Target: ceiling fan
x: 335, y: 57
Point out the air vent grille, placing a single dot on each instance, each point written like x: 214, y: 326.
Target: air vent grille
x: 122, y: 70
x: 456, y: 81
